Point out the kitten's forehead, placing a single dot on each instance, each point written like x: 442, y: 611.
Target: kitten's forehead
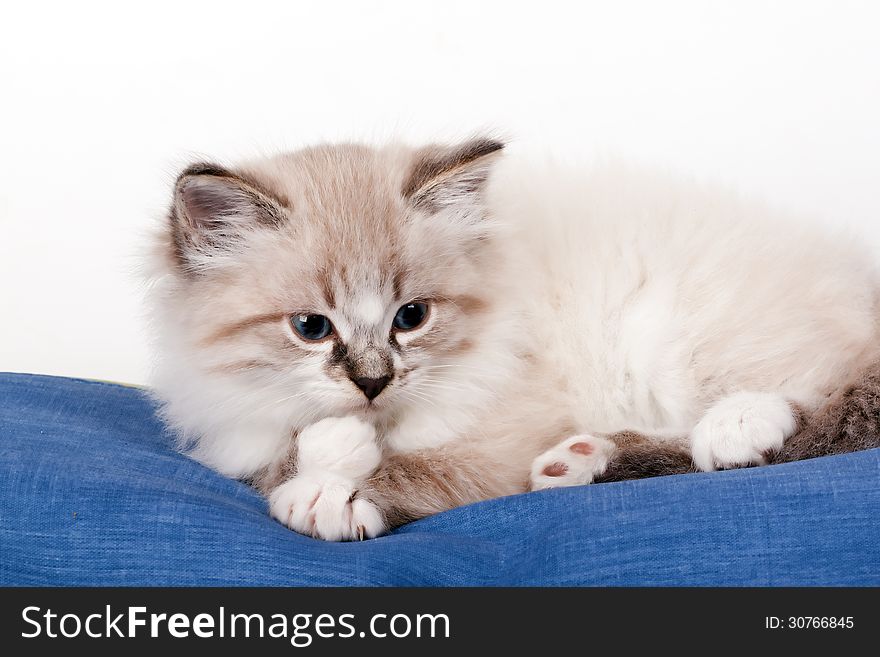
x: 346, y: 210
x: 369, y: 308
x: 355, y: 241
x: 362, y: 283
x: 362, y: 316
x: 348, y: 228
x: 351, y: 188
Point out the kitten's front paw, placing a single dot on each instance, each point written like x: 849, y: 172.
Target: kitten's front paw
x: 334, y: 456
x: 325, y: 508
x: 573, y: 462
x: 345, y: 446
x: 741, y: 430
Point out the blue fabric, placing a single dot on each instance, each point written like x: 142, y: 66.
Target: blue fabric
x: 92, y: 494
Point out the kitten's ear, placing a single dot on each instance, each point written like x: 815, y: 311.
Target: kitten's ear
x: 213, y: 210
x: 443, y: 177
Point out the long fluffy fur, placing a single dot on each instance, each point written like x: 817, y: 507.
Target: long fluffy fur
x: 564, y: 300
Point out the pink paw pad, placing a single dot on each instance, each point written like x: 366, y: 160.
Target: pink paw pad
x: 582, y: 448
x: 555, y: 470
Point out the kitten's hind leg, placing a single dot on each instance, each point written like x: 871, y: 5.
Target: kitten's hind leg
x: 619, y: 456
x: 639, y: 457
x: 573, y: 462
x: 742, y: 429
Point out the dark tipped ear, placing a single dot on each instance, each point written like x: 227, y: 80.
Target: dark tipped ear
x: 213, y: 210
x: 446, y: 176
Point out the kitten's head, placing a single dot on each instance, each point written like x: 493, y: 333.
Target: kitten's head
x: 329, y: 281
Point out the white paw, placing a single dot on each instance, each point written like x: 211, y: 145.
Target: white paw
x: 345, y: 446
x: 323, y: 507
x: 740, y: 430
x: 334, y: 456
x: 573, y: 462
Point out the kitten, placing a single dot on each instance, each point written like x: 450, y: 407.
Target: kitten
x: 372, y: 335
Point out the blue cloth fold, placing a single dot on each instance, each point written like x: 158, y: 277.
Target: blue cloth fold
x: 92, y: 493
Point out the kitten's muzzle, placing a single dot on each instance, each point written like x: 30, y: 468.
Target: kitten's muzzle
x: 371, y: 387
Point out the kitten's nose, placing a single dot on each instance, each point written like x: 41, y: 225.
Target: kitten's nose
x: 372, y: 387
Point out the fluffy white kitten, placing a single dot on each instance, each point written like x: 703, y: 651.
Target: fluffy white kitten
x: 374, y: 335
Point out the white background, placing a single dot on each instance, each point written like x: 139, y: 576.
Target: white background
x: 102, y: 104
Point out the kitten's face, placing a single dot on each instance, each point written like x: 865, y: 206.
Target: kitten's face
x: 335, y: 280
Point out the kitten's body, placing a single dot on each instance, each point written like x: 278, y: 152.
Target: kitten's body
x: 657, y: 298
x: 563, y: 302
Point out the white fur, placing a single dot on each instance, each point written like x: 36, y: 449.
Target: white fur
x: 334, y: 456
x: 370, y: 310
x: 654, y: 298
x: 345, y: 446
x: 741, y: 429
x: 580, y: 468
x: 321, y: 506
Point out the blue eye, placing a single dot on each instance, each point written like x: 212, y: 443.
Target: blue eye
x: 311, y: 327
x: 410, y: 316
